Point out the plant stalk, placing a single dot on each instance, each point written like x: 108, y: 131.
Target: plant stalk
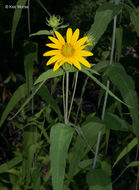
x: 75, y: 85
x: 67, y: 89
x: 117, y: 2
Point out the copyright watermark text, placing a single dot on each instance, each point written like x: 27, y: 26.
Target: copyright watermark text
x: 16, y: 7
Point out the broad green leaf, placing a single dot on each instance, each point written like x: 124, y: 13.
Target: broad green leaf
x: 103, y: 17
x: 119, y: 37
x: 101, y: 85
x: 30, y: 57
x: 10, y: 164
x: 134, y: 16
x: 49, y: 74
x: 90, y: 130
x: 42, y: 32
x: 126, y: 86
x: 60, y: 138
x: 45, y: 94
x: 126, y: 150
x: 98, y: 179
x: 132, y: 164
x: 16, y: 18
x: 115, y: 123
x: 18, y: 95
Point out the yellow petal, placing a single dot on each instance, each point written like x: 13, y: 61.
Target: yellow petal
x: 52, y: 52
x: 75, y: 36
x: 81, y: 41
x: 60, y: 37
x: 82, y: 47
x: 84, y: 53
x: 55, y: 46
x: 52, y: 60
x: 84, y: 61
x: 54, y: 40
x: 57, y: 65
x: 69, y: 35
x: 77, y: 64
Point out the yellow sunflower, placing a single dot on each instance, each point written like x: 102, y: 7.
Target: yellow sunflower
x: 69, y: 51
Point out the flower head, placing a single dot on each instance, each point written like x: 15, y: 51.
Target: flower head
x: 54, y: 21
x: 69, y: 51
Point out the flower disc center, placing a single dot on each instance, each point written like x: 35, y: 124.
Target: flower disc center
x: 67, y: 50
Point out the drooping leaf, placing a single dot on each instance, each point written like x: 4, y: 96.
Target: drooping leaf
x: 18, y: 95
x: 98, y: 179
x: 126, y: 150
x: 60, y: 138
x: 16, y: 18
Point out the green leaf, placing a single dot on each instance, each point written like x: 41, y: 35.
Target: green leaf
x: 30, y: 56
x: 45, y: 94
x: 16, y: 18
x: 115, y: 123
x: 60, y: 138
x: 134, y: 16
x: 119, y: 37
x: 98, y: 179
x: 126, y: 86
x: 90, y: 130
x: 10, y: 164
x: 101, y: 85
x: 103, y: 17
x: 126, y: 150
x: 49, y: 74
x: 18, y: 95
x: 42, y: 32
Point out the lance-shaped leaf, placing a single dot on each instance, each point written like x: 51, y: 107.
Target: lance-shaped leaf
x: 60, y: 138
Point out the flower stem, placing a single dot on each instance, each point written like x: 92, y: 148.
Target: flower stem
x: 75, y: 85
x: 117, y: 2
x: 63, y: 90
x: 67, y: 89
